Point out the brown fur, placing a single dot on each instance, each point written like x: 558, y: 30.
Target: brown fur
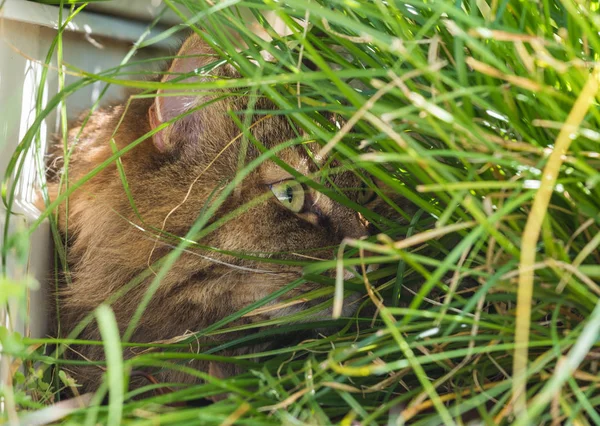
x: 108, y: 245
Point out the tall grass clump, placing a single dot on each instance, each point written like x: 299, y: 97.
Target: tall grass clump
x: 480, y: 120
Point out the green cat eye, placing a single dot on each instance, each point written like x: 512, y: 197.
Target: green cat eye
x: 290, y: 193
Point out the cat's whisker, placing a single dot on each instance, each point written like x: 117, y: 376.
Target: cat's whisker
x: 156, y: 237
x: 221, y: 262
x: 305, y: 256
x: 271, y: 308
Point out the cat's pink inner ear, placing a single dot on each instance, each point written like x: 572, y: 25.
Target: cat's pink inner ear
x: 167, y: 107
x: 159, y: 138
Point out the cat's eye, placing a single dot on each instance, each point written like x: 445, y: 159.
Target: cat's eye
x: 365, y: 194
x: 290, y: 193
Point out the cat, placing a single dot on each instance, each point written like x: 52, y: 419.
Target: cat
x: 172, y: 176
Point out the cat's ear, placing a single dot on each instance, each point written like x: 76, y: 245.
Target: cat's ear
x: 168, y: 104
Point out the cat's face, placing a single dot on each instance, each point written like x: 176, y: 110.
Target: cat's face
x: 271, y: 213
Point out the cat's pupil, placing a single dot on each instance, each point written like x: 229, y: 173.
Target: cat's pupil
x: 289, y: 192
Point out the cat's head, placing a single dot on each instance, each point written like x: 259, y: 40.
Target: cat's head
x: 271, y: 212
x: 205, y: 162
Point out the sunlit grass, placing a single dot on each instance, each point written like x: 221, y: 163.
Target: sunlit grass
x: 484, y: 115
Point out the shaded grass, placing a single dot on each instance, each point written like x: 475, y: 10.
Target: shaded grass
x: 482, y: 114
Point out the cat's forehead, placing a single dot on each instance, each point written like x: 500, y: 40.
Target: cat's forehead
x: 296, y: 157
x: 306, y: 161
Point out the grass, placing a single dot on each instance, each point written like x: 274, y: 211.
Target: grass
x: 484, y: 114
